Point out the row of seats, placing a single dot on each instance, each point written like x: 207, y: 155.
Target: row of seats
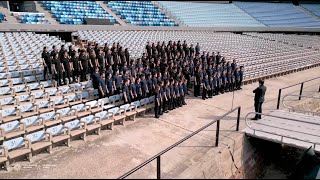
x: 27, y: 132
x: 2, y: 17
x: 278, y: 14
x: 74, y: 12
x: 208, y: 14
x: 313, y: 8
x: 31, y: 18
x: 140, y: 13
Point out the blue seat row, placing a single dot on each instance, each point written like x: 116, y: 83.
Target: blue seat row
x: 2, y: 17
x: 208, y: 14
x: 32, y: 18
x: 140, y: 13
x: 313, y: 8
x: 74, y: 12
x: 278, y: 14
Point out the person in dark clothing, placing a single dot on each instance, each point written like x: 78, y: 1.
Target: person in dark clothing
x: 177, y: 92
x: 148, y: 50
x: 100, y: 58
x: 127, y: 55
x: 95, y: 78
x: 126, y: 92
x: 138, y: 89
x: 210, y: 89
x: 241, y: 76
x: 162, y: 94
x: 54, y: 52
x: 116, y: 82
x: 144, y: 86
x: 173, y: 95
x: 167, y: 98
x: 109, y: 84
x: 75, y: 67
x: 223, y: 82
x: 205, y: 88
x: 150, y: 85
x: 133, y: 89
x: 182, y: 93
x: 102, y: 86
x: 67, y: 69
x: 46, y: 62
x: 237, y: 78
x: 84, y: 59
x: 57, y: 69
x: 259, y: 99
x: 197, y: 83
x: 198, y: 49
x: 157, y: 106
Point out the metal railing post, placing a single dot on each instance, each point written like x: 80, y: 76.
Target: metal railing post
x: 279, y: 97
x: 238, y: 119
x: 158, y: 168
x: 301, y: 88
x: 217, y: 133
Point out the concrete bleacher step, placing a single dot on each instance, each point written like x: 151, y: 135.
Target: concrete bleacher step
x: 168, y: 14
x: 300, y: 130
x: 106, y: 8
x: 9, y: 17
x: 47, y: 14
x: 308, y: 12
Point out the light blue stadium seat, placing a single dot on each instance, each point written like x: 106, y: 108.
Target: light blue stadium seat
x: 73, y: 12
x: 313, y: 8
x: 143, y: 11
x: 278, y: 14
x: 208, y: 14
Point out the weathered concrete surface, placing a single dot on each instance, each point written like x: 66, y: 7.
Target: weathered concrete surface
x: 115, y: 152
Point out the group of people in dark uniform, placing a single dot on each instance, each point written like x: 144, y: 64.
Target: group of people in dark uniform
x: 165, y: 70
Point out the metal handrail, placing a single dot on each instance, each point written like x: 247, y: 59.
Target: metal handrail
x: 282, y: 136
x: 301, y: 88
x: 292, y: 109
x: 181, y: 141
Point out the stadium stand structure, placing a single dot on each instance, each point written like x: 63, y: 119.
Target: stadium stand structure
x: 74, y: 12
x: 31, y: 18
x: 37, y: 114
x: 141, y: 13
x: 278, y: 14
x: 2, y: 17
x: 260, y: 57
x: 208, y: 14
x: 313, y: 8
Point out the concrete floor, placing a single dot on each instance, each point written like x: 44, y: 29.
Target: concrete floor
x: 115, y: 152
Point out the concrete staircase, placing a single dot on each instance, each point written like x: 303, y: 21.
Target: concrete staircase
x: 308, y: 12
x: 106, y: 8
x: 169, y: 15
x: 9, y: 17
x: 47, y: 14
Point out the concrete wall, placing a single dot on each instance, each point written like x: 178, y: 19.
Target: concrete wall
x: 73, y: 28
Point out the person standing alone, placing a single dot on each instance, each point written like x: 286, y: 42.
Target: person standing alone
x: 259, y: 99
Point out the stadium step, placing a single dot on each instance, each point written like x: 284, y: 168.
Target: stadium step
x: 9, y: 17
x: 168, y: 14
x: 308, y: 12
x: 48, y: 16
x: 106, y: 8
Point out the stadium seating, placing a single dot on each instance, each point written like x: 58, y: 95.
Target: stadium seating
x: 256, y: 55
x: 140, y: 13
x: 74, y: 12
x: 31, y: 18
x: 208, y: 14
x: 313, y: 8
x: 2, y: 17
x: 278, y: 14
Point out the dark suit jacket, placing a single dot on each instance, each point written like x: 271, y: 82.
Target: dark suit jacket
x: 259, y: 94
